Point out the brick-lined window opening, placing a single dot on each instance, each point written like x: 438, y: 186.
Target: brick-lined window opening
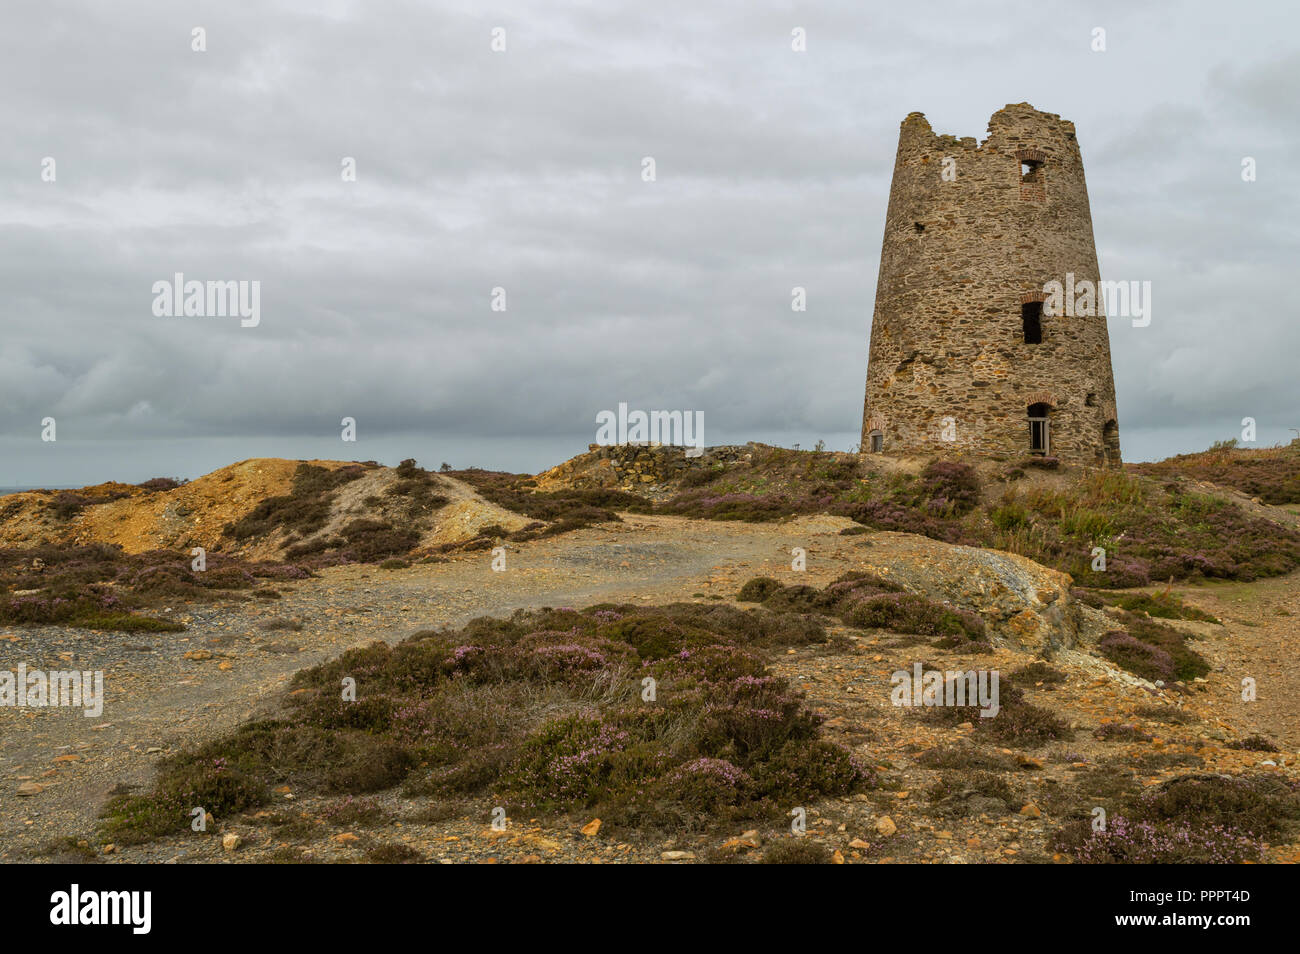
x: 1032, y: 174
x: 1040, y: 437
x: 1031, y: 321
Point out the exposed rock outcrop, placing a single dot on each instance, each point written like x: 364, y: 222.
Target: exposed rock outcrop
x: 1025, y: 604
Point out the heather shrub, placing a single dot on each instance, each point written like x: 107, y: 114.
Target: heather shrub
x: 909, y: 613
x: 798, y: 598
x: 303, y: 510
x: 1017, y: 720
x: 891, y: 515
x: 966, y: 757
x: 748, y: 507
x: 100, y: 586
x: 1119, y: 732
x: 349, y: 811
x: 393, y: 853
x: 1191, y: 819
x: 155, y: 484
x: 542, y: 712
x: 1272, y: 474
x: 1253, y: 743
x: 758, y: 589
x: 706, y: 785
x: 949, y: 488
x: 359, y: 541
x: 1023, y: 723
x: 796, y: 851
x: 699, y: 477
x: 1128, y: 841
x: 216, y: 785
x: 1138, y: 657
x: 1264, y: 806
x: 1186, y: 662
x: 563, y: 510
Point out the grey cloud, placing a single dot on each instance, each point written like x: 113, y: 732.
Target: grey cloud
x: 522, y: 170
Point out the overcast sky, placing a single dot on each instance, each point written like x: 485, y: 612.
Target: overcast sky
x: 522, y: 169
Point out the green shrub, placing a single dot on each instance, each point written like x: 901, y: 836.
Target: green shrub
x: 758, y: 589
x: 796, y: 851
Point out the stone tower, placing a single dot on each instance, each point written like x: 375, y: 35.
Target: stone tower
x: 966, y: 354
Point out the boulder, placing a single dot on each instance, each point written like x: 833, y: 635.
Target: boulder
x: 1025, y: 604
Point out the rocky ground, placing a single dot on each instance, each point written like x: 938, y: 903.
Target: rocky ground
x: 165, y: 691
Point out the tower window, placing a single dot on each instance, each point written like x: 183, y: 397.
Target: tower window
x: 919, y: 226
x: 1040, y: 437
x: 1031, y: 171
x: 1031, y: 320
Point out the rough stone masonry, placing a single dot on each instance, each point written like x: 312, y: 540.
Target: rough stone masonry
x: 964, y: 357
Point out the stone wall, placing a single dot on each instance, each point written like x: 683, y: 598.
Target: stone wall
x: 636, y: 466
x: 959, y: 258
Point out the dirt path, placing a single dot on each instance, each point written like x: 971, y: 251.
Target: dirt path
x: 1259, y: 640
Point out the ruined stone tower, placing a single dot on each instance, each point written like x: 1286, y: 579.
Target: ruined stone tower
x: 964, y: 356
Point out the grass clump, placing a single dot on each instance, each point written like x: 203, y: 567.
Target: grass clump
x: 1170, y: 715
x: 966, y: 757
x: 1161, y: 605
x: 1039, y: 675
x: 962, y: 793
